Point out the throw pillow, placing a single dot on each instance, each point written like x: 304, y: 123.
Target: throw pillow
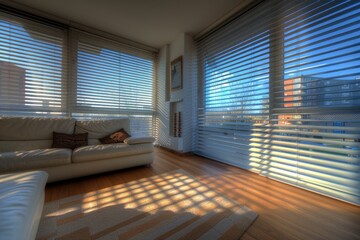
x: 72, y: 141
x: 116, y: 137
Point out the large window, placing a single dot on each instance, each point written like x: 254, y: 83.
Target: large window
x: 236, y: 96
x: 281, y: 94
x: 33, y: 68
x: 112, y: 81
x: 103, y: 79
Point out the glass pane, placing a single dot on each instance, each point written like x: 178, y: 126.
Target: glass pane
x: 31, y: 70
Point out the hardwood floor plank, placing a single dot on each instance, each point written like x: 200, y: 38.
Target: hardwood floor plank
x: 247, y: 236
x: 285, y: 212
x: 103, y: 181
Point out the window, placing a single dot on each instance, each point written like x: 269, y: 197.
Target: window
x: 113, y: 81
x: 235, y: 93
x: 106, y: 79
x: 293, y: 113
x: 32, y: 68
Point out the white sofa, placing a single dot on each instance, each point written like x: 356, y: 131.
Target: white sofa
x: 21, y: 202
x: 25, y: 144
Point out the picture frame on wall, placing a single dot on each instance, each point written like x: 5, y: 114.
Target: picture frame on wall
x: 176, y: 73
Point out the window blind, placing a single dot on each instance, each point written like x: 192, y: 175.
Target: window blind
x: 33, y: 68
x: 102, y: 79
x: 114, y: 81
x: 280, y: 94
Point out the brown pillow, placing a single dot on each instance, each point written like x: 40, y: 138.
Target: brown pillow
x: 72, y: 141
x: 116, y: 137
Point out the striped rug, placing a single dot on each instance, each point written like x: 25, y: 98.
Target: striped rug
x: 173, y: 205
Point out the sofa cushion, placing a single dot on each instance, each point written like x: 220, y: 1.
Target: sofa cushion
x: 31, y: 133
x: 21, y: 201
x: 139, y: 140
x: 34, y: 159
x: 100, y: 152
x: 72, y: 141
x: 11, y: 146
x: 24, y: 129
x: 100, y: 128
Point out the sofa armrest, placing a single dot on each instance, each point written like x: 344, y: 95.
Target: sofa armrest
x: 138, y: 140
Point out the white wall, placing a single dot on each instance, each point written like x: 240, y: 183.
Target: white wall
x: 185, y: 98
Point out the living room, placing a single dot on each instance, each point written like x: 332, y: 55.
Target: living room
x: 204, y: 119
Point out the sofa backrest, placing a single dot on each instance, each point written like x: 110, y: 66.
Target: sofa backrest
x: 101, y: 128
x: 17, y: 133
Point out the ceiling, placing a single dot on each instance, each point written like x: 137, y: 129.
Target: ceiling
x: 151, y: 22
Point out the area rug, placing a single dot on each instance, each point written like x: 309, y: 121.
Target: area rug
x: 173, y: 205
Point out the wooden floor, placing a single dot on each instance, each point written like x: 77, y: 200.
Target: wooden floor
x: 285, y: 212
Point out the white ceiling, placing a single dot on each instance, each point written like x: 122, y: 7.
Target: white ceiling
x: 151, y: 22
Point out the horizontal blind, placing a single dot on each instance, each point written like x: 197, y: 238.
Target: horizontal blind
x: 316, y: 120
x: 308, y: 134
x: 114, y: 81
x: 33, y: 68
x: 235, y: 68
